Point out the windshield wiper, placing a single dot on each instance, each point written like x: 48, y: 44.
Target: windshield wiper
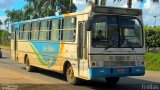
x: 129, y: 44
x: 106, y: 48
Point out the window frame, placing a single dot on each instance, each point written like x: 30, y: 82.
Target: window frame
x: 32, y: 34
x: 69, y: 29
x: 26, y: 31
x: 59, y: 29
x: 46, y: 31
x: 21, y: 29
x: 13, y: 32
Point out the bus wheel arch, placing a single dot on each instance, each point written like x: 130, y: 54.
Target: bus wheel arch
x: 28, y: 66
x: 25, y: 56
x: 66, y: 68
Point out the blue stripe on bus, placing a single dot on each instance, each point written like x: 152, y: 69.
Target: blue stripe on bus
x: 39, y: 19
x: 112, y: 72
x: 47, y: 51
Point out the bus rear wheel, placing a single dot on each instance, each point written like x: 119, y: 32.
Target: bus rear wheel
x: 112, y: 81
x: 29, y: 68
x: 70, y: 76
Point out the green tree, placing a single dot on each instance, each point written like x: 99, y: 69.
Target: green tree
x: 4, y: 37
x: 0, y: 23
x: 152, y: 36
x: 43, y: 8
x: 103, y: 2
x: 40, y: 8
x: 14, y: 15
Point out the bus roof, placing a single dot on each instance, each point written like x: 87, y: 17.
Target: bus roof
x: 117, y: 10
x: 91, y: 8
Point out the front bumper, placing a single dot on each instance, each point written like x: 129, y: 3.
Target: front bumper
x: 112, y: 72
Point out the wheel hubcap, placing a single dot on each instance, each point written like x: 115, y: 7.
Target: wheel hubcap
x: 27, y: 65
x: 70, y: 73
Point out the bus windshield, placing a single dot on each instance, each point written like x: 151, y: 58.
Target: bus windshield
x: 111, y: 31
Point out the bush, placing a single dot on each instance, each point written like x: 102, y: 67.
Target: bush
x: 4, y: 37
x: 152, y: 61
x: 152, y: 35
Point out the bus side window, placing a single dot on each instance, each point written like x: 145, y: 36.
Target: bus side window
x: 35, y: 31
x: 26, y: 32
x: 29, y: 32
x: 43, y: 35
x: 55, y: 29
x: 69, y: 29
x: 21, y: 32
x: 12, y: 32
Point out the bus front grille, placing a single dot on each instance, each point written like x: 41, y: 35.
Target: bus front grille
x: 118, y: 63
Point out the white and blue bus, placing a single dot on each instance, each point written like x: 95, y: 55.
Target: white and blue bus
x: 99, y: 42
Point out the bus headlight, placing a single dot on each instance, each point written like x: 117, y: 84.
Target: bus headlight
x: 140, y: 63
x: 140, y: 60
x: 96, y: 64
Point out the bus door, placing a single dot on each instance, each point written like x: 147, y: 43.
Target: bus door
x: 82, y: 50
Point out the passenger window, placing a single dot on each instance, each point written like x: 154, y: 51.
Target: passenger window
x: 68, y: 35
x: 55, y: 32
x: 26, y: 32
x: 12, y: 32
x: 35, y: 31
x: 21, y: 32
x: 43, y: 35
x: 69, y: 29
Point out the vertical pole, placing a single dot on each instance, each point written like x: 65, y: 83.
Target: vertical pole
x: 57, y: 13
x: 155, y: 20
x: 129, y: 3
x: 56, y: 6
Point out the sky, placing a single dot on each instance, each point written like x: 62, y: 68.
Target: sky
x: 149, y: 9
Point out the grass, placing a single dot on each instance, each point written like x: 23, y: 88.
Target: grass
x: 152, y: 61
x: 4, y: 47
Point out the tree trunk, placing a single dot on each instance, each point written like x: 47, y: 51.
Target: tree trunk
x: 129, y: 3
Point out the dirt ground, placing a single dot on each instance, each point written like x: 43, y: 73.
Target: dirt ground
x: 11, y: 77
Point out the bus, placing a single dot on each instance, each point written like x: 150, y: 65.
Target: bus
x: 98, y: 42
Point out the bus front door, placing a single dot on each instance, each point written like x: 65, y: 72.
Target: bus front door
x: 82, y: 50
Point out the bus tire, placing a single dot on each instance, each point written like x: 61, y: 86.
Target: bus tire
x: 112, y: 81
x: 70, y: 76
x: 29, y: 68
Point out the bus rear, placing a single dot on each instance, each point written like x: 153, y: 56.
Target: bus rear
x: 116, y: 43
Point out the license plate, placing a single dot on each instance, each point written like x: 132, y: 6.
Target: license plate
x: 120, y: 70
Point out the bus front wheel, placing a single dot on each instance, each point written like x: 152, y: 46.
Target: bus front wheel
x: 70, y: 76
x: 112, y: 80
x: 29, y: 68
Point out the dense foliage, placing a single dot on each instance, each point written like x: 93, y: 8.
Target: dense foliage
x: 40, y: 8
x: 152, y: 35
x: 103, y: 2
x: 4, y: 37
